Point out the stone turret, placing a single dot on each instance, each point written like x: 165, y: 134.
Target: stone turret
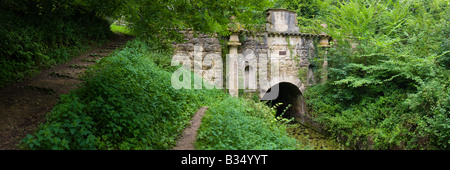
x: 281, y: 20
x: 272, y: 63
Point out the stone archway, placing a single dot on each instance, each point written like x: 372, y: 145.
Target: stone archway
x: 289, y: 94
x: 264, y: 87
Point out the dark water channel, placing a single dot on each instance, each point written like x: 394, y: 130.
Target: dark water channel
x: 290, y: 104
x: 312, y: 139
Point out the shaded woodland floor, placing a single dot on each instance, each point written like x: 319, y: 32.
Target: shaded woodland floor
x: 23, y: 105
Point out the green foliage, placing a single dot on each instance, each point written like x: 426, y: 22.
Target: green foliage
x: 70, y: 128
x: 38, y: 34
x: 377, y: 122
x: 121, y: 29
x: 126, y: 102
x: 42, y: 33
x: 239, y: 124
x: 432, y: 101
x: 390, y: 90
x: 306, y: 11
x: 161, y: 20
x: 304, y: 8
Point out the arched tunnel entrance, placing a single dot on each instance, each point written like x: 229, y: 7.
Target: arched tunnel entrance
x: 289, y: 94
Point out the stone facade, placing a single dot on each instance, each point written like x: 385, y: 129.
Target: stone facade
x: 260, y: 61
x: 281, y: 44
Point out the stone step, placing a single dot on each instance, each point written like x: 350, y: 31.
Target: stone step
x: 68, y: 73
x: 51, y: 86
x: 41, y: 90
x: 93, y: 60
x: 80, y: 66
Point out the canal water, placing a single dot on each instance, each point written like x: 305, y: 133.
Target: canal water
x: 312, y: 139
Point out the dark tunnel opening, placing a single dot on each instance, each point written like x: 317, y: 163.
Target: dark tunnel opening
x: 289, y: 94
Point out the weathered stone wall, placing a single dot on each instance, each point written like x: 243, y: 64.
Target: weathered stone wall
x: 292, y: 51
x: 260, y: 61
x: 197, y: 48
x: 281, y: 41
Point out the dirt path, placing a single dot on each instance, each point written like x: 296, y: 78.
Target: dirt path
x: 23, y: 105
x: 187, y: 140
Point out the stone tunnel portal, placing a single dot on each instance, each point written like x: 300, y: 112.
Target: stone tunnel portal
x: 289, y: 94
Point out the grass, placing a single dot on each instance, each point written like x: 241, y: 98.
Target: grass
x: 241, y: 124
x: 121, y: 29
x: 127, y: 102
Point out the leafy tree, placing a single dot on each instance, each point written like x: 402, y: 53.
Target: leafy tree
x: 38, y: 34
x: 304, y: 8
x: 160, y: 20
x: 307, y: 11
x: 386, y: 50
x: 41, y: 33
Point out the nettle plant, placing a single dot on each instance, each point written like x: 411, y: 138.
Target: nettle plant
x: 126, y: 102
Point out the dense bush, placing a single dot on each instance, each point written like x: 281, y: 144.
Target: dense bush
x: 126, y: 102
x: 123, y: 29
x: 392, y: 90
x: 37, y: 34
x: 40, y: 33
x: 240, y: 124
